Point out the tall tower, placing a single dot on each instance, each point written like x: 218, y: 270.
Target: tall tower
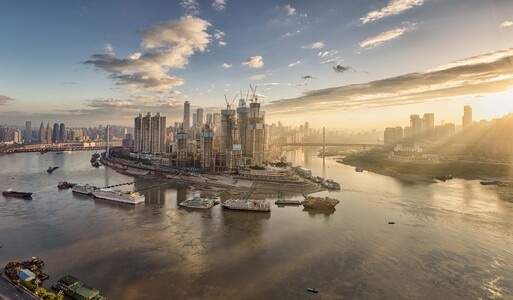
x: 207, y: 148
x: 429, y: 124
x: 466, y: 120
x: 28, y: 132
x: 186, y: 115
x: 256, y: 133
x: 146, y: 133
x: 55, y: 133
x: 242, y: 125
x: 62, y: 133
x: 48, y: 133
x: 199, y: 116
x: 42, y: 133
x: 158, y: 134
x: 138, y: 133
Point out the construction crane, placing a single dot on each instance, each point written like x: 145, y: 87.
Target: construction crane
x: 253, y: 90
x: 229, y: 105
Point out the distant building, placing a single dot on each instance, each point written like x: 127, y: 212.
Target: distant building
x: 42, y: 134
x: 48, y: 133
x: 429, y: 125
x: 27, y: 138
x: 466, y: 120
x: 62, y: 133
x: 186, y: 115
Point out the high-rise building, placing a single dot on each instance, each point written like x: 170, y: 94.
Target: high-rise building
x: 466, y: 120
x: 242, y: 125
x: 186, y: 115
x: 199, y: 116
x: 429, y: 125
x: 158, y: 134
x: 48, y: 133
x: 62, y: 133
x: 150, y: 134
x: 207, y: 149
x: 146, y: 133
x: 55, y: 133
x: 256, y: 134
x: 42, y: 134
x: 28, y: 132
x: 138, y: 134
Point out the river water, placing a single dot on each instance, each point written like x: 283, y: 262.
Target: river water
x: 451, y: 240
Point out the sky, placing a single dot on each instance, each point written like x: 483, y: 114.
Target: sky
x: 335, y: 63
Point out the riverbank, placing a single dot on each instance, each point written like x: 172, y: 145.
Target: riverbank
x: 376, y: 161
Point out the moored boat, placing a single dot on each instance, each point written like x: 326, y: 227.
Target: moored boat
x: 320, y: 202
x: 284, y: 201
x: 357, y: 169
x: 198, y: 202
x: 65, y: 185
x: 119, y: 196
x: 72, y: 287
x: 251, y: 205
x: 85, y: 189
x: 12, y: 193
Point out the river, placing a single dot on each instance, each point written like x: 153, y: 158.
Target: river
x: 450, y: 240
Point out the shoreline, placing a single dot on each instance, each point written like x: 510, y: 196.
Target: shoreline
x: 376, y: 162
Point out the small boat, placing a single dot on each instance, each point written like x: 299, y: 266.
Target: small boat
x: 391, y: 223
x: 358, y: 169
x: 95, y: 164
x: 13, y: 193
x: 94, y: 157
x: 85, y: 189
x: 198, y: 202
x: 312, y: 290
x: 51, y: 169
x: 65, y: 185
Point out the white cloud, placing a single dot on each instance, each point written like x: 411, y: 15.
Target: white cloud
x: 257, y: 77
x: 506, y: 24
x: 218, y: 35
x: 327, y: 53
x: 394, y: 7
x: 289, y: 34
x: 219, y: 4
x: 4, y: 99
x: 191, y: 6
x: 289, y: 10
x: 226, y: 66
x: 328, y: 61
x: 317, y: 45
x: 166, y: 45
x: 385, y: 36
x: 254, y: 62
x: 294, y: 64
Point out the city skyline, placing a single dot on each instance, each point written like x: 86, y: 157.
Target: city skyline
x: 105, y: 62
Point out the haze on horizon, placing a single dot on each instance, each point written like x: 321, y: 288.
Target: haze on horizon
x: 345, y: 64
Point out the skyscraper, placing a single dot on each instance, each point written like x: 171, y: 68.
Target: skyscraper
x: 62, y: 133
x: 199, y: 116
x: 55, y: 133
x: 186, y: 115
x: 42, y: 134
x: 158, y: 134
x: 466, y: 120
x: 429, y: 125
x: 28, y: 132
x: 48, y: 133
x: 138, y: 134
x: 146, y: 133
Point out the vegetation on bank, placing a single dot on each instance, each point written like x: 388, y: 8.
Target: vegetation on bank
x: 376, y: 161
x: 39, y: 291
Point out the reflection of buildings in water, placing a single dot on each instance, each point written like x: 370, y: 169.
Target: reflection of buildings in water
x: 153, y: 194
x: 312, y: 212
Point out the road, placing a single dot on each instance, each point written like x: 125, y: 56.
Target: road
x: 9, y: 291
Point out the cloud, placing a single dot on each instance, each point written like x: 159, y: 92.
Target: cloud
x: 69, y: 82
x: 226, y: 66
x: 5, y: 99
x: 394, y: 7
x: 316, y: 45
x: 289, y: 10
x: 307, y: 77
x: 254, y: 62
x: 190, y: 6
x: 257, y: 77
x: 506, y: 24
x: 289, y: 34
x: 342, y: 69
x: 218, y: 35
x: 327, y: 53
x: 386, y: 36
x: 219, y: 4
x: 488, y: 73
x: 328, y: 61
x: 294, y: 64
x: 166, y: 45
